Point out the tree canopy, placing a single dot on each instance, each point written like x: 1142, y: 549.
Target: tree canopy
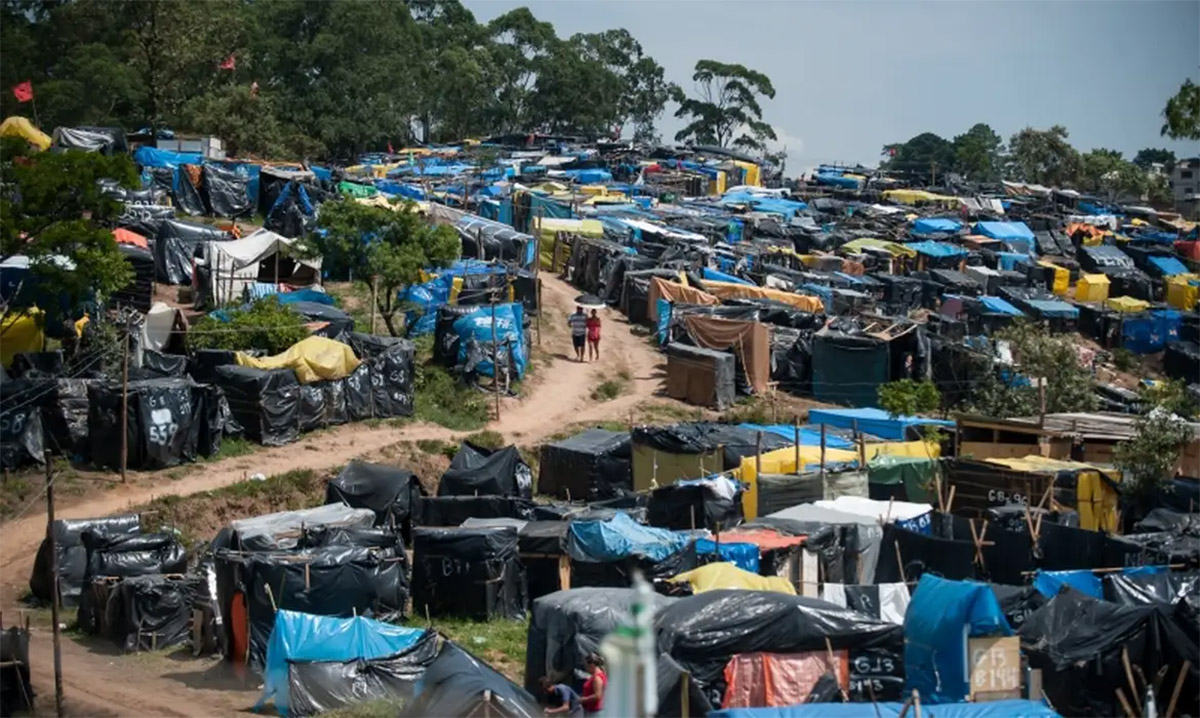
x: 1181, y: 116
x: 302, y: 79
x: 728, y: 103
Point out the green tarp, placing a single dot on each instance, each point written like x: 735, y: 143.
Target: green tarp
x: 357, y: 190
x: 915, y: 473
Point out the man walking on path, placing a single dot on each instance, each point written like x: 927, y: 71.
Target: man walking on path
x: 578, y: 324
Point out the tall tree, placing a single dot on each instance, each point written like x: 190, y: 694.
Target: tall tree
x: 977, y: 153
x: 728, y: 103
x: 1149, y: 156
x: 1182, y: 113
x: 642, y: 92
x: 1043, y: 156
x: 52, y: 212
x: 1106, y: 172
x: 520, y: 44
x: 391, y: 246
x: 925, y: 153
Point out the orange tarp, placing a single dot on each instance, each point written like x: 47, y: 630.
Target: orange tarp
x: 662, y: 289
x: 731, y: 290
x: 763, y: 680
x: 764, y: 540
x: 124, y: 236
x: 750, y: 342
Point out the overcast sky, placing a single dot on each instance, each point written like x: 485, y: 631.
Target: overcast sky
x: 852, y: 76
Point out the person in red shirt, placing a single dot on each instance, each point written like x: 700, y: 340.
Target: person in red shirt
x: 593, y: 688
x: 593, y: 336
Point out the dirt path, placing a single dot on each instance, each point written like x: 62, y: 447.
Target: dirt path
x: 97, y: 681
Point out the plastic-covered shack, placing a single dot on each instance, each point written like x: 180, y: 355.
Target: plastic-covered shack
x: 567, y: 626
x: 1078, y: 642
x: 702, y: 633
x: 73, y: 555
x: 591, y: 465
x: 176, y: 246
x: 479, y: 471
x: 306, y: 651
x: 459, y: 685
x: 453, y: 510
x: 692, y: 450
x: 713, y: 503
x: 263, y: 402
x: 16, y: 691
x: 941, y: 616
x: 469, y: 572
x: 152, y: 612
x: 390, y: 491
x: 169, y: 421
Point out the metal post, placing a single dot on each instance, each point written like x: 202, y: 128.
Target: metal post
x: 54, y: 598
x: 495, y: 359
x: 125, y: 403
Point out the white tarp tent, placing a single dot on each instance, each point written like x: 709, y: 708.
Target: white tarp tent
x: 237, y: 264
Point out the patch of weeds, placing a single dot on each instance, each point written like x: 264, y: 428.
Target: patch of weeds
x: 381, y: 708
x: 748, y: 411
x: 232, y: 446
x: 487, y: 439
x: 442, y: 399
x: 1124, y: 360
x: 611, y: 388
x: 430, y: 446
x: 653, y: 411
x: 501, y: 642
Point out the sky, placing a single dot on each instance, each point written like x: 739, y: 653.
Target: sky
x: 852, y: 76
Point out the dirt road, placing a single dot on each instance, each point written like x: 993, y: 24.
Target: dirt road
x: 98, y: 681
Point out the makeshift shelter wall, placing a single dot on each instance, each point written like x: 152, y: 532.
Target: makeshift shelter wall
x: 1091, y: 288
x: 781, y: 461
x: 750, y: 342
x: 651, y: 465
x: 672, y: 292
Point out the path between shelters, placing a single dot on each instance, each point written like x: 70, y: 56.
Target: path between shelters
x: 127, y: 686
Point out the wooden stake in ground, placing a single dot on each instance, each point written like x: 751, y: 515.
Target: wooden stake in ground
x: 54, y: 597
x: 125, y: 403
x: 1183, y: 672
x: 495, y: 359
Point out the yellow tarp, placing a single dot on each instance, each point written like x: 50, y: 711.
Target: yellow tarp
x: 782, y: 461
x: 917, y: 196
x: 1183, y: 291
x: 732, y: 290
x: 17, y: 126
x: 313, y: 359
x: 1095, y: 492
x: 716, y: 187
x: 1091, y: 288
x: 1128, y: 305
x: 1062, y: 277
x: 916, y: 449
x: 545, y: 227
x: 20, y: 333
x: 753, y: 174
x: 895, y: 248
x: 723, y: 574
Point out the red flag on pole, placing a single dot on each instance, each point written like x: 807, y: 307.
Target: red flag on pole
x: 390, y: 150
x: 229, y: 63
x: 23, y: 91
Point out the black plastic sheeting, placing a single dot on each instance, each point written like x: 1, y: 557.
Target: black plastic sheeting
x: 703, y: 437
x: 169, y: 421
x: 391, y: 492
x: 140, y: 554
x: 704, y: 631
x: 265, y: 403
x: 921, y: 554
x: 479, y: 471
x: 226, y: 192
x: 567, y: 626
x: 456, y: 685
x: 686, y: 506
x: 175, y: 248
x: 591, y: 465
x: 22, y: 439
x: 73, y: 556
x: 139, y: 293
x: 321, y: 686
x: 1078, y: 642
x: 474, y: 573
x: 16, y: 691
x: 336, y: 580
x: 453, y: 510
x: 670, y: 691
x: 1181, y: 360
x: 105, y: 140
x: 152, y: 612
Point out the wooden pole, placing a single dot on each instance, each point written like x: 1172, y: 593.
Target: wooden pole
x: 1183, y: 671
x: 822, y: 468
x: 684, y: 695
x: 757, y: 456
x: 796, y: 430
x: 54, y: 598
x: 538, y: 317
x: 495, y: 359
x: 125, y: 403
x: 374, y: 299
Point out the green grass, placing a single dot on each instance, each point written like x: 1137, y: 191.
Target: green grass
x: 441, y: 398
x: 609, y: 389
x: 501, y: 641
x: 21, y: 491
x: 371, y: 709
x: 487, y: 439
x: 748, y: 411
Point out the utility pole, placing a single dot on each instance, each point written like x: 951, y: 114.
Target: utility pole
x: 54, y: 598
x: 125, y: 403
x: 495, y: 358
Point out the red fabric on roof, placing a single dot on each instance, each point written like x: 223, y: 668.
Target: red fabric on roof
x: 763, y: 538
x: 124, y: 236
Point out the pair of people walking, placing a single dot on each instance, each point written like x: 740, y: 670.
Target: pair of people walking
x: 585, y: 333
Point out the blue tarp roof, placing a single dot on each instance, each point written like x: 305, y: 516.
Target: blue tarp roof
x: 717, y: 276
x: 1000, y: 306
x: 305, y: 637
x: 933, y: 225
x: 619, y: 538
x: 941, y: 614
x: 1168, y: 265
x: 1010, y: 260
x: 154, y: 157
x: 937, y: 249
x: 1004, y: 230
x: 1049, y: 583
x: 774, y: 205
x: 837, y: 180
x: 1014, y: 708
x: 809, y: 435
x: 590, y: 176
x: 1053, y: 308
x: 871, y: 421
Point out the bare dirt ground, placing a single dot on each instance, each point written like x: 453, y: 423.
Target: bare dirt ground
x: 99, y: 681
